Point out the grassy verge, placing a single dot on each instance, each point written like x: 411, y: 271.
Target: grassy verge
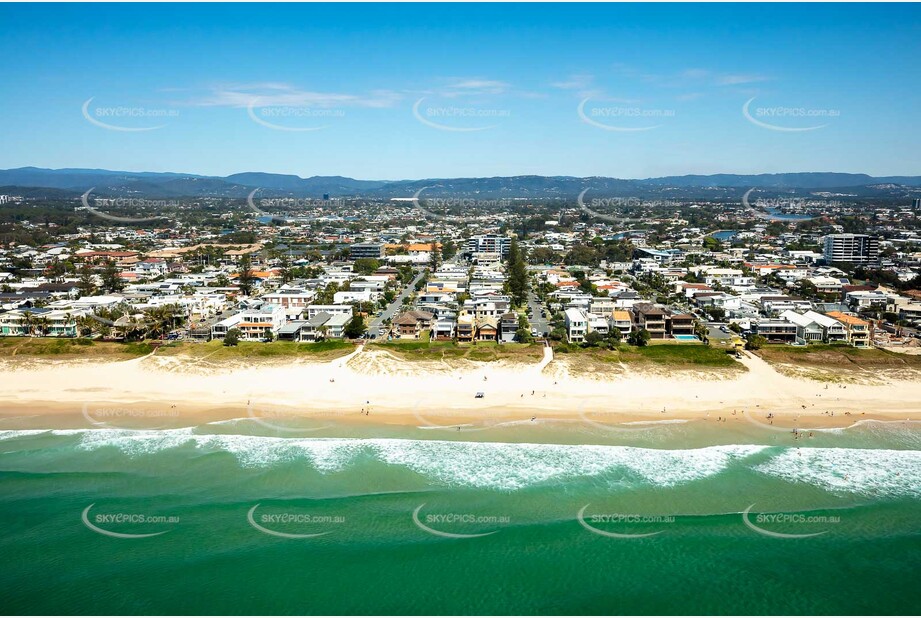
x: 678, y: 355
x: 252, y: 350
x: 70, y: 348
x: 838, y: 357
x: 445, y: 350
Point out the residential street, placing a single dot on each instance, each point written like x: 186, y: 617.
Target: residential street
x: 393, y: 307
x: 538, y: 323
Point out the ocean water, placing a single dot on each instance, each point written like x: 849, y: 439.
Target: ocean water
x: 237, y: 517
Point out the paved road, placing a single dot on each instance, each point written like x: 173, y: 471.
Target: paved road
x: 714, y: 332
x: 393, y: 307
x: 538, y: 323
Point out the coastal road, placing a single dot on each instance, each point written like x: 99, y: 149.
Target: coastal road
x: 538, y: 323
x: 392, y: 308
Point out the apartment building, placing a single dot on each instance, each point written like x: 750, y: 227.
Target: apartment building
x: 489, y: 243
x: 852, y: 248
x: 366, y: 250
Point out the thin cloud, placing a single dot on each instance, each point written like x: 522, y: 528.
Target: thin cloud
x: 736, y: 79
x: 474, y: 86
x: 575, y: 82
x: 695, y: 74
x: 282, y: 94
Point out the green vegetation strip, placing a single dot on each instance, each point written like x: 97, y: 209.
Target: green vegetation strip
x: 676, y: 355
x: 44, y: 346
x: 838, y: 356
x: 413, y: 349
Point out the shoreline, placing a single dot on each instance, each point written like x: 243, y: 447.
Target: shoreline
x: 432, y: 395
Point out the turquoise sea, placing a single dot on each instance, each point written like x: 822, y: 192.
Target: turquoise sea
x: 236, y: 517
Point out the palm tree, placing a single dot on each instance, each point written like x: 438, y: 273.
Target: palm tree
x: 85, y: 324
x: 43, y: 324
x: 27, y: 320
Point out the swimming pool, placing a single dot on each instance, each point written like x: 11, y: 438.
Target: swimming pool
x: 685, y: 338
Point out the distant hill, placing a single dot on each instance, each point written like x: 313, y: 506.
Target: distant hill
x: 173, y: 184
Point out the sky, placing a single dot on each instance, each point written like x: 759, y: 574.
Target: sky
x: 447, y: 90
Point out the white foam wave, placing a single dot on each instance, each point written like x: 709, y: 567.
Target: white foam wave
x: 477, y: 464
x: 11, y: 434
x: 873, y: 472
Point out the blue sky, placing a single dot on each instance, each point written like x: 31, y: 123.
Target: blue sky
x: 437, y: 90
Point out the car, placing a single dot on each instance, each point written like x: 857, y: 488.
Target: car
x: 534, y: 332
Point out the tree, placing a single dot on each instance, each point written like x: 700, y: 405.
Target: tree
x: 639, y: 337
x: 615, y: 336
x: 27, y: 322
x: 328, y: 294
x: 734, y: 327
x: 593, y: 339
x: 355, y: 328
x: 712, y: 244
x: 246, y: 279
x: 583, y: 255
x: 448, y: 249
x: 86, y: 285
x: 434, y: 256
x: 542, y: 255
x: 222, y: 281
x: 57, y: 270
x: 366, y: 266
x: 517, y: 274
x: 558, y: 333
x: 111, y: 280
x: 232, y: 337
x: 523, y: 335
x: 755, y: 342
x: 284, y: 264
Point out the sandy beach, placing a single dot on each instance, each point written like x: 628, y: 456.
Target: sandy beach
x: 374, y: 387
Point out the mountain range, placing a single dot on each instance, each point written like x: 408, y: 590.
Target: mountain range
x: 41, y: 182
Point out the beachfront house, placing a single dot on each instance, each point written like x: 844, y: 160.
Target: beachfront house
x: 410, y: 324
x: 650, y: 317
x: 858, y: 332
x: 256, y: 324
x: 576, y: 323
